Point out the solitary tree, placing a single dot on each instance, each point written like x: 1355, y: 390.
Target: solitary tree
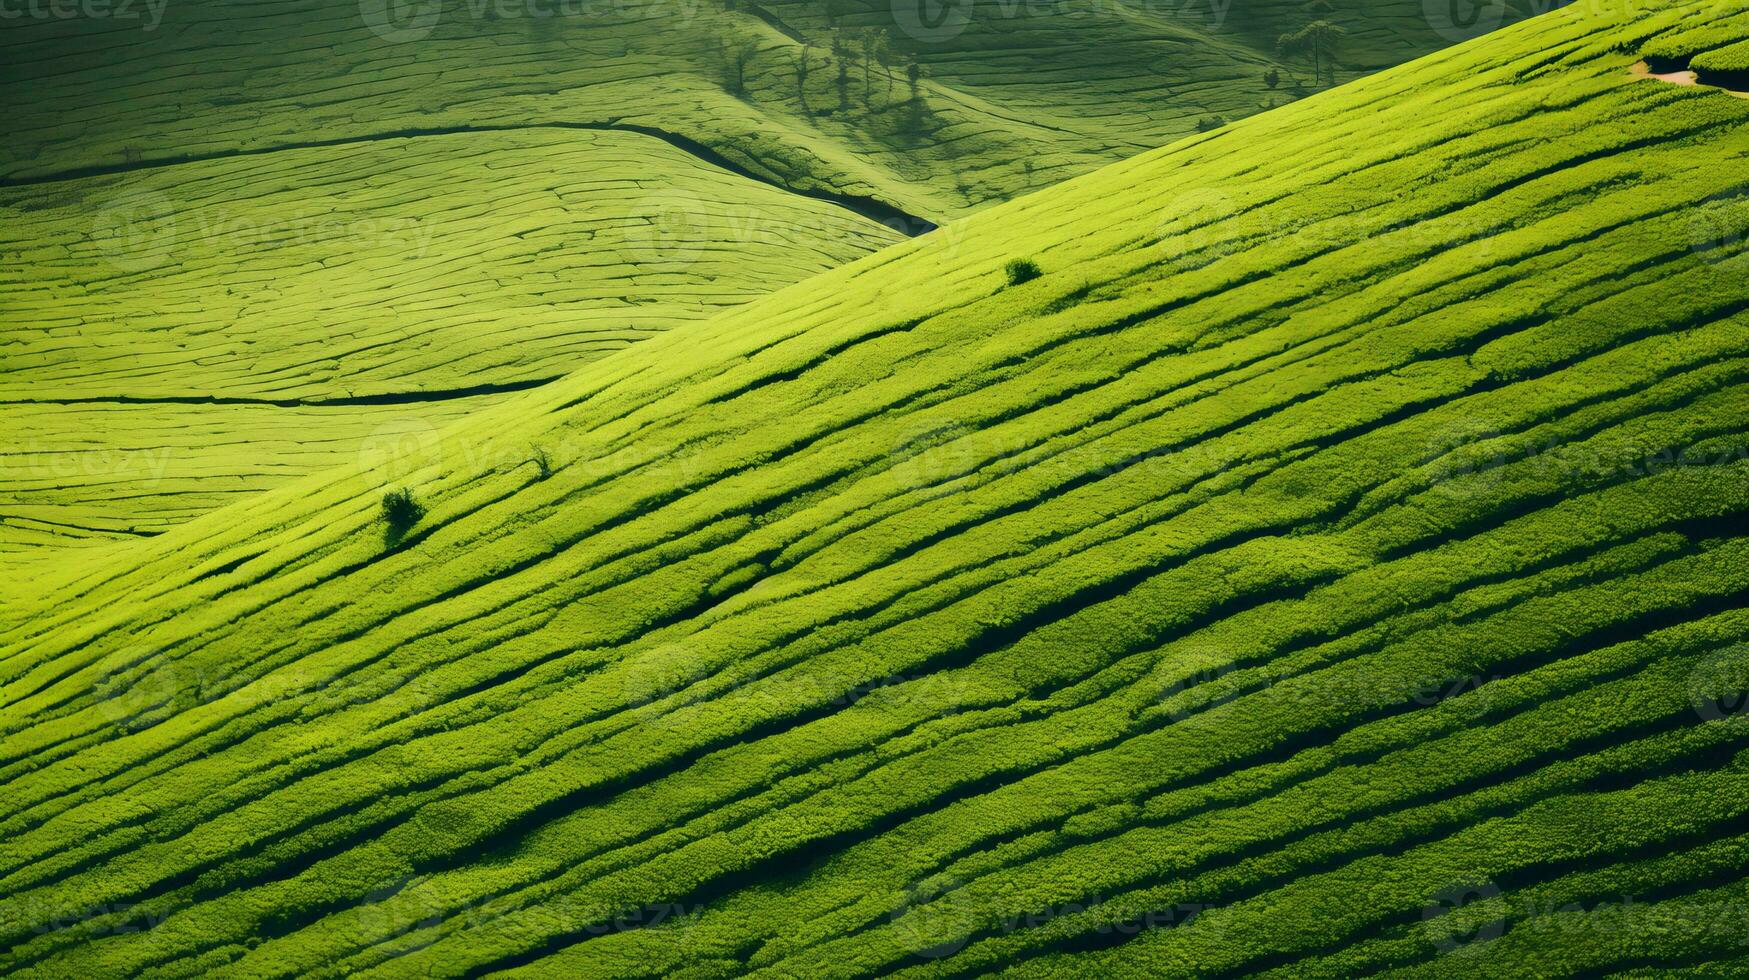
x: 802, y: 66
x: 1318, y: 40
x: 841, y: 52
x: 870, y: 40
x: 736, y: 55
x: 885, y: 54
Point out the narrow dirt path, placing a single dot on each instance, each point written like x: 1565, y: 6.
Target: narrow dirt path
x: 1686, y: 77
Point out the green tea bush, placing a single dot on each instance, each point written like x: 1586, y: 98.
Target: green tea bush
x: 400, y: 511
x: 1021, y: 270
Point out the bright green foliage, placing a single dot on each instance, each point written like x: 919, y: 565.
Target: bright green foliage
x: 429, y: 274
x: 434, y: 200
x: 1336, y: 564
x: 1730, y: 58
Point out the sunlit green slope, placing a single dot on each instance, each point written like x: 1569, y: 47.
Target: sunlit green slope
x: 433, y: 200
x: 1333, y: 563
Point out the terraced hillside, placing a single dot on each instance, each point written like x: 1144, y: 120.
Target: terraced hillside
x: 1333, y: 563
x: 1011, y: 96
x: 298, y: 209
x: 216, y: 327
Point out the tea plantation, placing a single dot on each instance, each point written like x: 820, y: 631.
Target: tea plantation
x: 1330, y: 557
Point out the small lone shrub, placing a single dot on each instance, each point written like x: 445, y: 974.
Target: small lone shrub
x: 1021, y: 270
x: 401, y: 512
x: 1209, y: 124
x: 542, y: 462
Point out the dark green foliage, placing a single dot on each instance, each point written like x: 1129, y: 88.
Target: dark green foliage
x: 803, y: 66
x: 1021, y: 270
x: 400, y: 512
x: 736, y: 56
x: 1318, y: 42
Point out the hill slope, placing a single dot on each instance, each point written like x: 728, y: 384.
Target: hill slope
x: 189, y: 333
x: 1335, y: 562
x: 341, y: 201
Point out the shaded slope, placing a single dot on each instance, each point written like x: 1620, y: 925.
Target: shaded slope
x: 1015, y: 96
x: 399, y: 267
x: 1349, y: 516
x: 318, y: 200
